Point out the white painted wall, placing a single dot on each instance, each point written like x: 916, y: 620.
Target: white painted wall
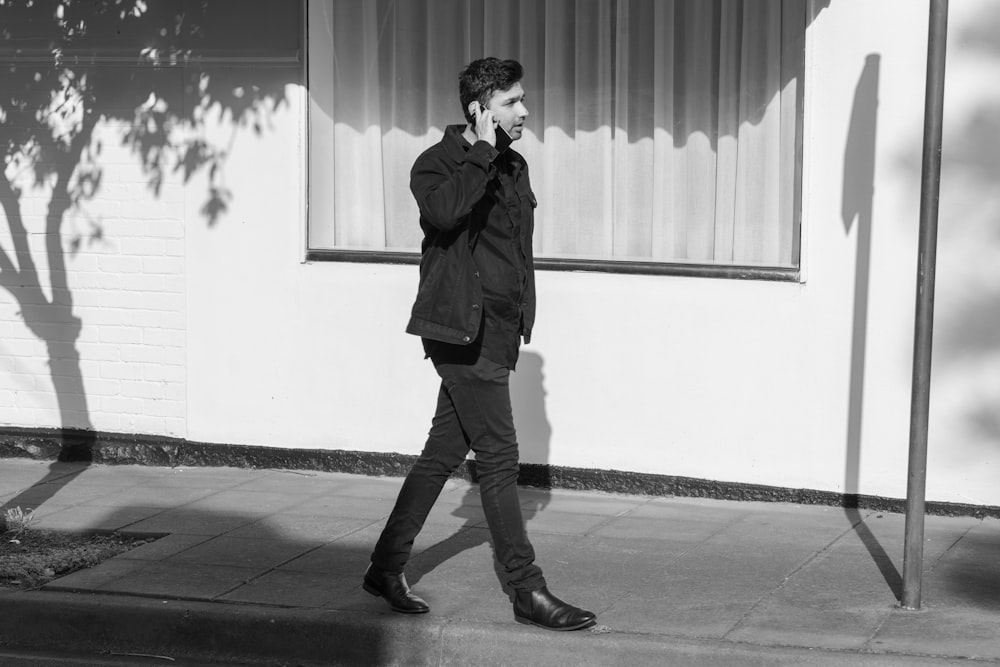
x: 126, y: 286
x: 744, y: 381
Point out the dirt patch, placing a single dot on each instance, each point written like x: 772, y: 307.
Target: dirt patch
x: 33, y: 557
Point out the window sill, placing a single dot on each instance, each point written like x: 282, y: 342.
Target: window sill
x: 777, y: 274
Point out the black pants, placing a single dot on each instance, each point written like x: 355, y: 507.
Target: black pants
x: 473, y: 411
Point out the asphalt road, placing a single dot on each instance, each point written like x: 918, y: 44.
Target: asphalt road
x: 53, y: 659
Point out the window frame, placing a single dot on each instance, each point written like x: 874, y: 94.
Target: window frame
x: 792, y: 274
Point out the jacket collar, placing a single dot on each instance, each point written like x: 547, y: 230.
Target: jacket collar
x: 456, y: 145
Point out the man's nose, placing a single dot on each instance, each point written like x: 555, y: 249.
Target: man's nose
x: 522, y: 110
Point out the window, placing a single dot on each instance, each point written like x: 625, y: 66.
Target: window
x: 662, y: 133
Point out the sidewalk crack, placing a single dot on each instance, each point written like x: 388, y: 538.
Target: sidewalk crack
x: 666, y: 563
x: 788, y: 577
x: 878, y: 628
x: 273, y: 568
x: 948, y: 550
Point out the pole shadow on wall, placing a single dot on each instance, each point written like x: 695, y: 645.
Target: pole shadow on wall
x: 527, y: 395
x: 857, y: 205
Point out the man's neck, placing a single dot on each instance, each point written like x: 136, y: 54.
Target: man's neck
x: 470, y: 134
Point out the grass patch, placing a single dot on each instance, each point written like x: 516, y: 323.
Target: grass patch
x: 31, y: 557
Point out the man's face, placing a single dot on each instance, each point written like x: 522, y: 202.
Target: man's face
x: 508, y: 108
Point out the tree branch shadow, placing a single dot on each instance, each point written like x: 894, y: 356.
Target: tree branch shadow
x: 113, y: 65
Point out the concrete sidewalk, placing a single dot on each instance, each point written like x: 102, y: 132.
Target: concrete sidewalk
x: 264, y: 567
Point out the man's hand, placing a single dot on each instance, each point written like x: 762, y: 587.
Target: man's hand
x: 485, y: 124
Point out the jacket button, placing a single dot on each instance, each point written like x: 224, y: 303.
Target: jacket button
x: 475, y: 306
x: 465, y: 339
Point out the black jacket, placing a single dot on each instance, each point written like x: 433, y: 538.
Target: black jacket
x: 449, y: 181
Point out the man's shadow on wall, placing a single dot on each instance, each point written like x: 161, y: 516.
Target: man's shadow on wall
x: 534, y: 433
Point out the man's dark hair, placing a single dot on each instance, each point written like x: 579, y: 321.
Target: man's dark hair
x: 481, y: 78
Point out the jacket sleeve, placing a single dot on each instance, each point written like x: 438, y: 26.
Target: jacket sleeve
x: 445, y: 194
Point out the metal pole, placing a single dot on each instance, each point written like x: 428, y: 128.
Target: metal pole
x: 916, y: 483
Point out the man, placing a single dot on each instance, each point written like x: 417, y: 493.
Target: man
x: 475, y: 301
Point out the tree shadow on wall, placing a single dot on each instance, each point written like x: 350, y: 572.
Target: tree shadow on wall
x: 159, y: 74
x: 395, y: 42
x: 967, y: 306
x: 967, y: 311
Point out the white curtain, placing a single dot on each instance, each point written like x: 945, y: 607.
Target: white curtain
x: 660, y: 130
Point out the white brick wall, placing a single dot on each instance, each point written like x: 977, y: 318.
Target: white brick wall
x: 127, y: 287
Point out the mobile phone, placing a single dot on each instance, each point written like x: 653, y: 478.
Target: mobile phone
x: 504, y: 140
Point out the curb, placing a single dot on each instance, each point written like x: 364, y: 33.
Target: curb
x: 256, y: 635
x: 192, y: 630
x: 108, y: 448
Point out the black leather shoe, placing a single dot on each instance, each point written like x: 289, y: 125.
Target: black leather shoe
x: 545, y: 610
x: 393, y: 588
